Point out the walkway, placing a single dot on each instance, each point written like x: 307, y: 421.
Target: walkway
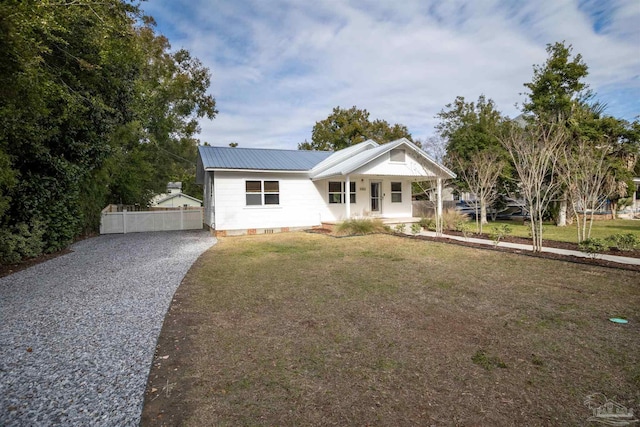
x: 78, y: 332
x: 613, y: 258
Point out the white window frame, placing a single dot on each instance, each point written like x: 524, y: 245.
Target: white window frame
x: 352, y: 194
x: 396, y: 192
x: 264, y: 194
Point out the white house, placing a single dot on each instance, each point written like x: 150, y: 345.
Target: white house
x: 175, y: 198
x: 261, y: 190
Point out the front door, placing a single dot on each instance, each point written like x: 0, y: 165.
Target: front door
x: 376, y: 198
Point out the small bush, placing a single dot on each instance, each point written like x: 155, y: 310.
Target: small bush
x: 416, y: 228
x: 451, y: 218
x: 593, y: 246
x: 624, y: 242
x: 358, y: 226
x: 499, y: 232
x: 428, y: 223
x: 20, y: 242
x: 464, y: 228
x: 399, y: 228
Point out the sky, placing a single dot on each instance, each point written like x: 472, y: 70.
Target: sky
x: 279, y: 66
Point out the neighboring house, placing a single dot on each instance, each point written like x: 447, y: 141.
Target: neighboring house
x: 175, y: 198
x: 261, y: 190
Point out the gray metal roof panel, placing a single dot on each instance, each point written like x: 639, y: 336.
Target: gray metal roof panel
x: 260, y: 158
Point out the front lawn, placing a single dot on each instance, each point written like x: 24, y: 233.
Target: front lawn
x: 601, y: 229
x: 305, y: 329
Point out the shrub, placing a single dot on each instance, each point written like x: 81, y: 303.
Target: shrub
x: 21, y: 241
x: 499, y: 232
x: 624, y: 242
x: 428, y: 223
x: 416, y: 228
x: 451, y: 218
x: 593, y: 246
x: 399, y: 228
x: 357, y: 226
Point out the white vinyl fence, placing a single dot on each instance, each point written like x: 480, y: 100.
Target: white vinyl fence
x: 166, y: 220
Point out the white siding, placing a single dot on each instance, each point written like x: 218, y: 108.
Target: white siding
x: 301, y: 203
x: 383, y: 166
x: 362, y: 207
x: 179, y: 201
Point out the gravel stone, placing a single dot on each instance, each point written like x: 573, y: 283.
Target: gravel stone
x: 78, y: 332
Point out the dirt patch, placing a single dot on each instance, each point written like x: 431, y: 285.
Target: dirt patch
x: 300, y: 329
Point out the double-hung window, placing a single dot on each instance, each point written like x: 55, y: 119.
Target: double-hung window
x: 396, y: 192
x: 336, y: 192
x: 260, y: 193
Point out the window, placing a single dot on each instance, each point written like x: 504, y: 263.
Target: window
x: 256, y: 197
x: 336, y: 191
x: 397, y: 155
x: 396, y: 192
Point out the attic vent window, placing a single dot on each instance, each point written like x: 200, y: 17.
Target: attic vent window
x: 397, y: 155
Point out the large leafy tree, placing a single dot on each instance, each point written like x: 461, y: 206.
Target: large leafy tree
x: 159, y: 144
x: 66, y: 75
x: 93, y: 107
x: 471, y: 131
x: 558, y: 85
x: 346, y: 127
x: 558, y: 94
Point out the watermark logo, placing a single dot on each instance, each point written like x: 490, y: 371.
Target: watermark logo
x: 607, y: 412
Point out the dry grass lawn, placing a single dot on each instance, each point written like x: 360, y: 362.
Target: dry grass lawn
x: 305, y: 329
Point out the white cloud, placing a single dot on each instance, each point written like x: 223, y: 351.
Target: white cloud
x: 278, y: 67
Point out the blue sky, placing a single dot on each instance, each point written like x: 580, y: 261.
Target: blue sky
x: 279, y: 66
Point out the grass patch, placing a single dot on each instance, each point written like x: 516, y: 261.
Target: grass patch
x: 302, y: 329
x: 361, y: 226
x: 601, y: 229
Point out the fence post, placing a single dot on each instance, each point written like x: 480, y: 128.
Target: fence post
x: 181, y: 218
x: 124, y: 221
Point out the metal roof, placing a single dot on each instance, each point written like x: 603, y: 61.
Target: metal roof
x: 353, y: 163
x: 260, y: 158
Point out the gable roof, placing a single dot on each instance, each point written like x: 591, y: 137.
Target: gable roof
x: 171, y: 196
x: 360, y: 159
x: 341, y: 155
x: 260, y: 158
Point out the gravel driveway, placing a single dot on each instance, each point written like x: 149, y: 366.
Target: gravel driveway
x: 78, y: 332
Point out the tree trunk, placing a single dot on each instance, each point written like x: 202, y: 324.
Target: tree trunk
x: 562, y: 214
x: 483, y: 212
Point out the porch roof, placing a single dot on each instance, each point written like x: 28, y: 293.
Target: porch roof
x: 362, y: 158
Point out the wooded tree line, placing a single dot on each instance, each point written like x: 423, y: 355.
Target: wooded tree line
x: 565, y: 156
x: 95, y: 108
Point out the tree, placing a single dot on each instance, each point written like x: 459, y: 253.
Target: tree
x: 480, y: 174
x: 471, y: 131
x: 66, y: 77
x: 344, y: 128
x: 534, y: 152
x: 159, y: 144
x: 585, y: 173
x: 93, y: 108
x: 557, y: 86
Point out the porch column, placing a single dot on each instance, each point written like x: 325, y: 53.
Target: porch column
x: 347, y: 196
x: 439, y: 207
